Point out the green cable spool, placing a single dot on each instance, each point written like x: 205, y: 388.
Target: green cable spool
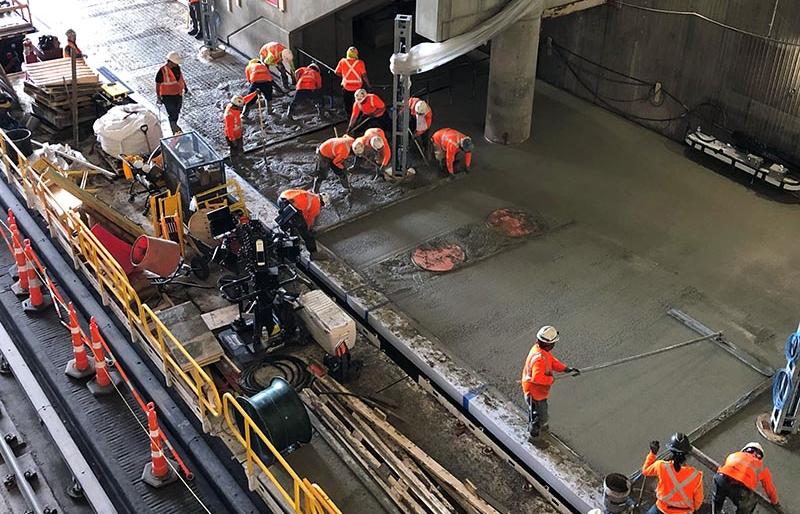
x: 280, y: 414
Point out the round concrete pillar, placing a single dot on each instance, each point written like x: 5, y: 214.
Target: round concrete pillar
x: 512, y: 75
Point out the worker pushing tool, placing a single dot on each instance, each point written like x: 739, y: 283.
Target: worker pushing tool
x: 537, y: 378
x: 738, y: 478
x: 233, y: 126
x: 452, y: 150
x: 308, y: 205
x: 680, y: 486
x: 374, y: 148
x: 334, y: 156
x: 260, y: 80
x: 354, y: 77
x: 170, y: 88
x: 369, y: 111
x: 308, y: 88
x: 274, y: 54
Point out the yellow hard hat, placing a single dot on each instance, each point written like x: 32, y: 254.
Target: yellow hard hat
x: 352, y: 53
x: 254, y: 61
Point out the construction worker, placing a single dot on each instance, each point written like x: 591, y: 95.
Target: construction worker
x: 260, y: 80
x: 354, y: 77
x: 368, y: 111
x: 680, y: 487
x: 307, y: 88
x: 29, y: 53
x: 197, y: 19
x: 421, y: 116
x: 452, y: 150
x: 71, y: 47
x: 373, y: 147
x: 7, y: 122
x: 334, y: 155
x: 537, y: 378
x: 738, y: 479
x: 277, y: 55
x: 308, y: 205
x: 233, y: 125
x: 170, y: 88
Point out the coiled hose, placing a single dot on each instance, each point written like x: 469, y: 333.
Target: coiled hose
x: 295, y: 370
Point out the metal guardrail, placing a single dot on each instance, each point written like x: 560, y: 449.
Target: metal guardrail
x: 116, y: 292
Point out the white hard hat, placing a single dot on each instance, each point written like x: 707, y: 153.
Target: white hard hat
x: 287, y: 55
x: 596, y: 511
x: 422, y: 107
x: 237, y: 100
x: 754, y: 446
x: 358, y: 147
x: 376, y: 142
x: 70, y: 34
x: 325, y: 198
x: 175, y: 57
x: 547, y: 334
x: 360, y: 95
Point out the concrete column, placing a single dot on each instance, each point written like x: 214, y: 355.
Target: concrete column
x: 512, y: 75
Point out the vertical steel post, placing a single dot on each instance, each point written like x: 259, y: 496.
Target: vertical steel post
x: 400, y: 94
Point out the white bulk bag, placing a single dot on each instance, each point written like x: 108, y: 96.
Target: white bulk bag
x: 119, y: 131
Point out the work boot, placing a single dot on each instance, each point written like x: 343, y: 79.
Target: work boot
x: 199, y: 35
x: 194, y: 31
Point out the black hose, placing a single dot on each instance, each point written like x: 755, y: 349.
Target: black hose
x: 293, y: 369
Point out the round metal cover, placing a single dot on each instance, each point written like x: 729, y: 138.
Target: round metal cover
x: 438, y: 258
x: 513, y: 223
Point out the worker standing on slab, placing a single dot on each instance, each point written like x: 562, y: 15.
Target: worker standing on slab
x: 260, y: 80
x: 277, y: 55
x: 537, y: 378
x: 233, y: 126
x: 170, y: 88
x: 334, y: 155
x: 197, y: 19
x: 354, y: 77
x: 452, y: 150
x: 373, y: 147
x: 368, y: 111
x: 308, y: 205
x: 72, y: 47
x: 307, y: 88
x: 680, y: 487
x: 739, y: 477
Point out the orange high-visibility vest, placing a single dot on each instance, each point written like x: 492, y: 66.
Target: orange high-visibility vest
x: 449, y: 141
x: 169, y: 85
x: 256, y: 72
x: 72, y: 47
x: 272, y: 50
x: 372, y: 106
x: 421, y: 129
x: 309, y: 204
x: 351, y: 71
x: 369, y: 134
x: 308, y: 79
x: 749, y: 470
x: 537, y: 374
x: 336, y: 149
x: 678, y: 492
x: 233, y: 122
x: 194, y: 1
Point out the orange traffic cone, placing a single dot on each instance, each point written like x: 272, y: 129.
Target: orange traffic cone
x: 80, y: 366
x: 20, y: 287
x: 12, y: 227
x: 37, y: 301
x: 158, y: 472
x: 104, y: 381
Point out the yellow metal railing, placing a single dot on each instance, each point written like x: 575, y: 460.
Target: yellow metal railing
x: 112, y: 283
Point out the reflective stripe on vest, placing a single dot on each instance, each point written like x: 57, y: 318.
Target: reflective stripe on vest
x: 351, y: 72
x: 677, y: 488
x: 532, y: 358
x: 170, y: 86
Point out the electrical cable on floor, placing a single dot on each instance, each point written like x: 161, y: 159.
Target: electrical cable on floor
x: 293, y: 369
x: 384, y: 388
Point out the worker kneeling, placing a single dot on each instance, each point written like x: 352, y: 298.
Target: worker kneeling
x: 233, y: 125
x: 308, y: 88
x: 334, y: 155
x: 680, y: 487
x: 537, y: 378
x: 452, y: 150
x: 308, y: 206
x: 738, y: 479
x: 369, y: 111
x: 374, y: 148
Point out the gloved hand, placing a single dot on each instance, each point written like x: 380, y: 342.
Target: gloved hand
x: 159, y: 101
x: 574, y: 371
x: 655, y: 446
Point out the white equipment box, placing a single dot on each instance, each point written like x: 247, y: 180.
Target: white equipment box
x: 328, y: 324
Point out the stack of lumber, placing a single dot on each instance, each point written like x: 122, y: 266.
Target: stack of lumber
x: 49, y: 84
x: 414, y: 481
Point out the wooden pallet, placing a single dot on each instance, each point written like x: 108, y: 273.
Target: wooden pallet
x: 59, y: 71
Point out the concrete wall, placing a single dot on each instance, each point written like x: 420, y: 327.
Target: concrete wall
x: 438, y: 20
x: 755, y: 82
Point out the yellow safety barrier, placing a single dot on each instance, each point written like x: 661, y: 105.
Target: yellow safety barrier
x: 102, y: 269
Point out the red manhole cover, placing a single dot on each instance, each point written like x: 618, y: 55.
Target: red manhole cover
x: 513, y: 223
x: 439, y: 258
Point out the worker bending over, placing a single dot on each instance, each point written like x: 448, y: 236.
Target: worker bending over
x: 308, y: 205
x: 170, y: 88
x: 680, y: 487
x: 260, y: 80
x: 452, y: 150
x: 374, y: 148
x: 307, y: 88
x: 71, y: 46
x: 333, y: 155
x: 354, y: 77
x: 421, y: 117
x: 233, y: 126
x: 738, y: 479
x: 277, y: 55
x: 368, y: 111
x: 196, y: 17
x: 537, y: 378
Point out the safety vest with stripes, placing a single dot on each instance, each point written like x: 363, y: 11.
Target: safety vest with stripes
x: 309, y: 204
x: 169, y: 85
x: 256, y: 72
x: 678, y: 492
x: 749, y: 470
x: 308, y: 79
x: 336, y: 149
x: 233, y: 122
x: 351, y: 71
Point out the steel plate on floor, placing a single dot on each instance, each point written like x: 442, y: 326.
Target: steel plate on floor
x: 438, y: 258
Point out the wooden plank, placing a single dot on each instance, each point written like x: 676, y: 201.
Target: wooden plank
x: 221, y: 317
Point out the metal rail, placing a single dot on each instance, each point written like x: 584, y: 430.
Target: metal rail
x: 22, y: 482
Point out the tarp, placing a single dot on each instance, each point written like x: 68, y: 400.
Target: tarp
x: 427, y: 56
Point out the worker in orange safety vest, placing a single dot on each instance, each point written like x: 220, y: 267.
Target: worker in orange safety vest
x: 307, y: 88
x: 233, y: 125
x: 680, y: 486
x: 196, y: 17
x: 739, y: 477
x: 334, y: 155
x: 308, y: 205
x: 421, y: 116
x: 170, y: 88
x: 72, y: 47
x: 354, y: 77
x: 452, y: 150
x: 373, y: 147
x: 368, y: 111
x: 277, y: 55
x: 537, y: 378
x: 260, y: 80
